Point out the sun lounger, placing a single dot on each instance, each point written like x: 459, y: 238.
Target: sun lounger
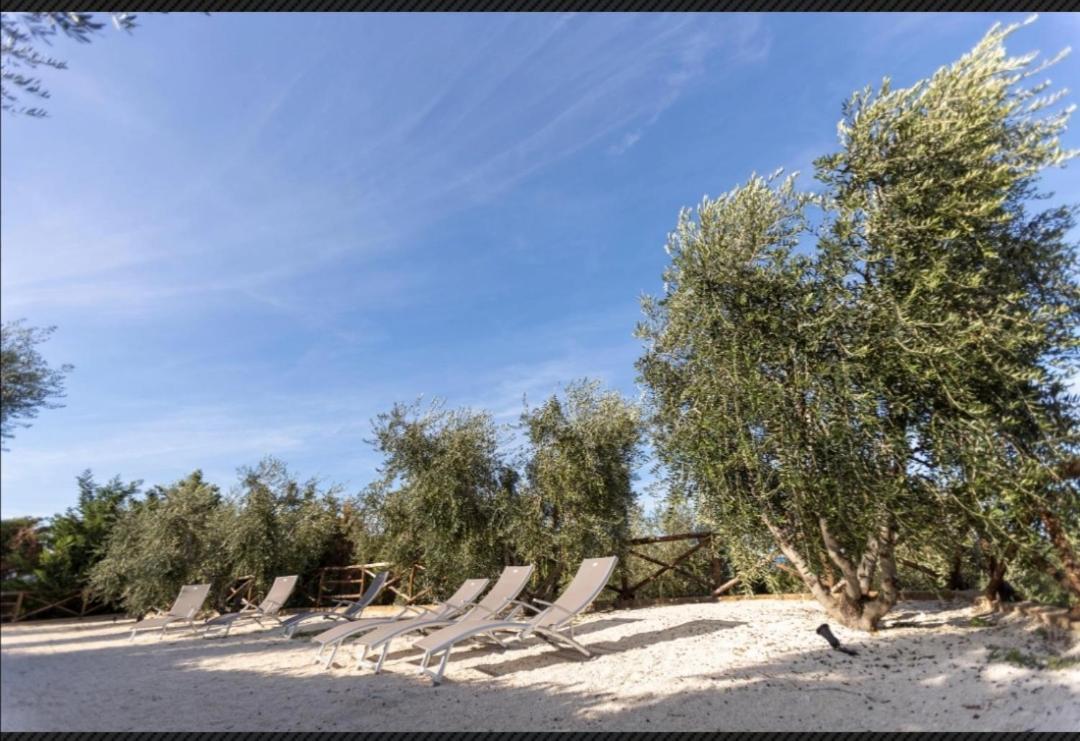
x: 268, y: 609
x: 552, y: 623
x: 457, y: 604
x: 501, y: 596
x: 183, y: 610
x: 353, y: 610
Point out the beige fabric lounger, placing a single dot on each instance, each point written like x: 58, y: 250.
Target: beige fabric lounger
x: 512, y: 580
x: 459, y: 602
x: 183, y: 610
x: 552, y: 624
x: 305, y: 621
x: 275, y: 599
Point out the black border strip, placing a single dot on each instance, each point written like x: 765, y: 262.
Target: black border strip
x: 550, y: 736
x: 831, y: 6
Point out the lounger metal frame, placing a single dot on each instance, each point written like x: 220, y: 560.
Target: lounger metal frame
x: 353, y: 609
x: 491, y: 611
x: 267, y: 609
x: 559, y: 631
x: 169, y: 618
x: 443, y: 609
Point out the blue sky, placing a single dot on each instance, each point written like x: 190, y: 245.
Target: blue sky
x: 257, y: 232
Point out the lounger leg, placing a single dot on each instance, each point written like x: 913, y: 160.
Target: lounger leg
x: 554, y: 636
x: 436, y: 678
x: 362, y: 657
x: 382, y: 657
x: 424, y: 663
x: 330, y: 660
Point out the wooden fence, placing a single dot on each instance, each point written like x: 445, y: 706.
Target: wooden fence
x: 714, y: 585
x: 241, y: 590
x: 20, y: 605
x: 349, y: 582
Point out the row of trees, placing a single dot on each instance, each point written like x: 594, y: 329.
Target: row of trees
x: 456, y: 492
x: 857, y: 388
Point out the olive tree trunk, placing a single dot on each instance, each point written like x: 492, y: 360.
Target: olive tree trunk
x: 850, y: 601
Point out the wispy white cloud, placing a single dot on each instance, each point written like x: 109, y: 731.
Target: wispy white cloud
x: 302, y: 203
x: 560, y: 84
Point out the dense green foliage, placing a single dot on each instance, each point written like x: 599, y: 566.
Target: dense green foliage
x: 20, y: 551
x: 75, y: 540
x: 449, y: 496
x: 444, y: 494
x: 27, y: 382
x: 578, y: 497
x: 277, y: 525
x: 836, y: 398
x: 174, y: 536
x: 53, y: 559
x: 188, y: 532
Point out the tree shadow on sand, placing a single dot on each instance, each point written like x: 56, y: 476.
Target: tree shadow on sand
x: 563, y: 654
x: 482, y: 647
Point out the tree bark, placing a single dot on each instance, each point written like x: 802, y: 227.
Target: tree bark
x: 1070, y: 561
x: 847, y: 601
x: 996, y: 588
x: 956, y: 574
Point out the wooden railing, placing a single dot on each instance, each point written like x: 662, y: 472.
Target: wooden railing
x: 349, y: 582
x: 242, y: 589
x: 713, y: 585
x: 23, y: 604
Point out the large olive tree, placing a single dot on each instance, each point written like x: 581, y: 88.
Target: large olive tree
x: 839, y: 386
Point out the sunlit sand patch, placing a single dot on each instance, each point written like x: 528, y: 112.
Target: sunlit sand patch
x: 738, y: 665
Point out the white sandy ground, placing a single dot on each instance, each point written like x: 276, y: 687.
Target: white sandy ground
x: 739, y: 665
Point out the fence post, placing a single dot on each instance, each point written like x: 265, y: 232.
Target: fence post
x: 716, y: 566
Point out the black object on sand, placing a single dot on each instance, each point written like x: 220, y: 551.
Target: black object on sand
x: 824, y: 632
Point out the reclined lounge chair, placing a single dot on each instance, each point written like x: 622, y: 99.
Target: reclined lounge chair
x: 188, y: 602
x: 551, y: 624
x: 268, y: 609
x: 506, y: 590
x: 458, y: 603
x: 305, y: 621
